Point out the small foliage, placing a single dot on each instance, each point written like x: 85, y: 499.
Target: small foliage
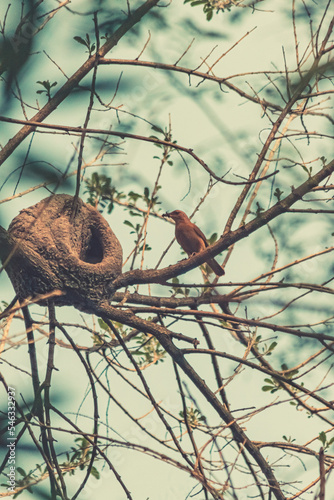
x: 212, y: 238
x: 265, y: 350
x: 272, y: 386
x: 288, y: 439
x: 80, y: 458
x: 4, y: 305
x: 278, y: 193
x: 107, y: 332
x: 178, y: 290
x: 259, y: 209
x: 24, y: 483
x: 99, y: 339
x: 307, y: 170
x: 149, y: 201
x: 101, y: 192
x: 288, y: 373
x: 275, y: 385
x: 47, y: 86
x: 194, y: 417
x: 326, y: 443
x: 211, y: 6
x: 150, y: 350
x: 87, y: 43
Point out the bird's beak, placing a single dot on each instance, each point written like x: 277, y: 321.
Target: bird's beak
x: 166, y: 214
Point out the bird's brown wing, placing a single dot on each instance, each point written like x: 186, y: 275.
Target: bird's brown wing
x: 216, y: 268
x: 201, y: 235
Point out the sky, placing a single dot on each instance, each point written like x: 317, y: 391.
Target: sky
x: 220, y: 127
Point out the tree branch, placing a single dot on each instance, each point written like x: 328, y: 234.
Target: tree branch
x: 157, y: 276
x: 73, y: 81
x: 162, y: 334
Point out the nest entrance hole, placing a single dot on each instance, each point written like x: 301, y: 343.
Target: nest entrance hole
x: 94, y: 250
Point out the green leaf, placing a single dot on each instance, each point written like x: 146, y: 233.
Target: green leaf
x: 158, y: 129
x: 272, y: 346
x: 134, y: 196
x: 224, y: 323
x: 212, y: 238
x: 322, y: 437
x: 94, y: 472
x: 267, y: 388
x: 79, y: 40
x: 21, y: 471
x: 147, y: 247
x: 209, y: 15
x: 128, y: 223
x: 306, y: 170
x: 103, y: 325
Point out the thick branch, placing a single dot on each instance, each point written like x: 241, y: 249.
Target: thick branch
x: 156, y: 276
x: 171, y: 302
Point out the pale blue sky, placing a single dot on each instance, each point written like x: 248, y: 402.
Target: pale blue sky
x: 227, y: 132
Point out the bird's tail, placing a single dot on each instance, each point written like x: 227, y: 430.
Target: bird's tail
x: 216, y: 268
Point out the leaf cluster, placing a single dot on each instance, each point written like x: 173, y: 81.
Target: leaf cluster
x: 211, y: 6
x: 25, y: 482
x: 101, y: 192
x: 275, y: 385
x: 86, y: 42
x: 47, y: 86
x: 194, y: 416
x: 326, y: 443
x: 150, y: 350
x: 178, y: 290
x: 80, y: 458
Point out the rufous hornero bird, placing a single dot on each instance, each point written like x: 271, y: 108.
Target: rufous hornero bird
x: 191, y: 238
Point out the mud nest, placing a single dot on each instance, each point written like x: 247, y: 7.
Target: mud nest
x: 47, y: 248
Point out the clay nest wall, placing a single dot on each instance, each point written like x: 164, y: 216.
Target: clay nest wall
x: 48, y: 248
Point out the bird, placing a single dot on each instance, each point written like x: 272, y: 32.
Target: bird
x: 191, y: 238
